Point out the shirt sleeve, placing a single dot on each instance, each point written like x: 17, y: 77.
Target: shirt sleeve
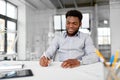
x: 50, y: 52
x: 90, y: 54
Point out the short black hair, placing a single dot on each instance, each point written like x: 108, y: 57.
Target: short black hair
x: 75, y: 13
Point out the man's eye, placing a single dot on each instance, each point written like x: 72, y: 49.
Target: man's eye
x: 75, y: 23
x: 67, y: 23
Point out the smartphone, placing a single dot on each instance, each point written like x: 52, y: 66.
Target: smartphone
x: 16, y: 74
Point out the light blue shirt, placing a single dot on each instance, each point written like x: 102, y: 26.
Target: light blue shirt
x: 78, y: 47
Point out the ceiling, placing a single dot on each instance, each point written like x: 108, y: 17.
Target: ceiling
x: 77, y: 3
x: 40, y: 4
x: 62, y: 4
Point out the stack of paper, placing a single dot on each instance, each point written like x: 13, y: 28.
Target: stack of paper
x: 11, y: 66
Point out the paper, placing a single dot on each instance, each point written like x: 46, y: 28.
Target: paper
x: 11, y: 66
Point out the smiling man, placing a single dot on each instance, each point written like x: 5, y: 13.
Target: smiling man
x: 73, y: 47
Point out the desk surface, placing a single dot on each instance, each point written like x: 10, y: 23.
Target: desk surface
x: 56, y: 72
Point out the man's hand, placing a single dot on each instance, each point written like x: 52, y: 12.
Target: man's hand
x: 44, y: 61
x: 70, y: 63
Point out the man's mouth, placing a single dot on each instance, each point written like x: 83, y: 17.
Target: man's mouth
x: 70, y: 30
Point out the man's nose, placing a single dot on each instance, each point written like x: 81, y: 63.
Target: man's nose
x: 71, y: 25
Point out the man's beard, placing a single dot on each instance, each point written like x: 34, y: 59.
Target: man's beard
x: 72, y: 33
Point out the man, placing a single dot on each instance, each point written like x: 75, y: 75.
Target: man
x: 74, y: 47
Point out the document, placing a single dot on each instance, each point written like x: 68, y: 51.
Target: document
x: 11, y: 66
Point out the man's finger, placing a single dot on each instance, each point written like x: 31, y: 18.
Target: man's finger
x: 65, y: 64
x: 44, y: 61
x: 70, y: 63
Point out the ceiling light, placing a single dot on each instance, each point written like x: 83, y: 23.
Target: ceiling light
x: 105, y: 21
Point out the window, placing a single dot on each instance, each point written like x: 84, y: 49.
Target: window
x: 2, y: 7
x: 60, y: 21
x: 11, y: 11
x: 2, y: 34
x: 57, y: 23
x: 85, y: 21
x: 11, y: 26
x: 8, y: 26
x: 104, y: 41
x: 103, y: 36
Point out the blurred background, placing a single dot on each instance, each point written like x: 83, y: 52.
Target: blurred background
x: 28, y: 26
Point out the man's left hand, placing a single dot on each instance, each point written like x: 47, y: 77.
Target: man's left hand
x: 70, y: 63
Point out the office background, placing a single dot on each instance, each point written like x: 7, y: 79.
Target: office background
x: 35, y: 25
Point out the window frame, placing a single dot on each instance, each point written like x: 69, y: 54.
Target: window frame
x: 6, y: 18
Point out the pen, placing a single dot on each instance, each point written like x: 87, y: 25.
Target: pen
x: 101, y: 57
x: 117, y: 66
x: 111, y: 60
x: 116, y: 58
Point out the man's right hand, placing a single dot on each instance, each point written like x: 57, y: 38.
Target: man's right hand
x: 44, y: 61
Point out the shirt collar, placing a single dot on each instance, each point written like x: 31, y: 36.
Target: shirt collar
x: 76, y: 35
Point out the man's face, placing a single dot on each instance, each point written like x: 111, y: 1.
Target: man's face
x: 72, y: 25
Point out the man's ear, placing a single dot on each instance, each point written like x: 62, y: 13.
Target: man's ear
x: 80, y: 24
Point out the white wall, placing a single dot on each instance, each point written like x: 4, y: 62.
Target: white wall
x: 30, y: 30
x: 21, y: 32
x: 42, y: 24
x: 115, y: 25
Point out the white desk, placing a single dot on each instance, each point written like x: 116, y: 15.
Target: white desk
x: 56, y: 72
